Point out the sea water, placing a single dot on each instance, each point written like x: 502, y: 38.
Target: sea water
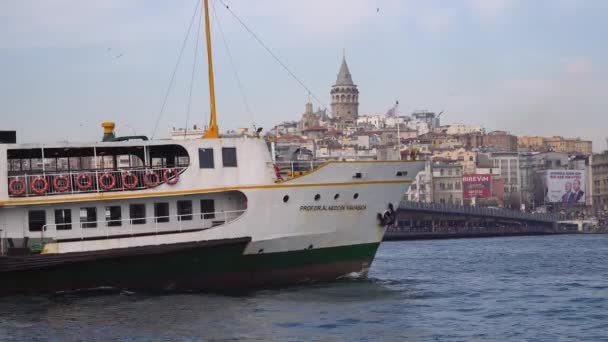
x: 538, y: 288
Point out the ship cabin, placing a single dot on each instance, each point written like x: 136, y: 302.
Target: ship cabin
x: 66, y: 191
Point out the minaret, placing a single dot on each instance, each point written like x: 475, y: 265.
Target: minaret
x: 344, y: 95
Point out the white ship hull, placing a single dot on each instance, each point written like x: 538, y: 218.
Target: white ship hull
x: 328, y: 209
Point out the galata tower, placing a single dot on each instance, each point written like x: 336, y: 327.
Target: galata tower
x: 345, y: 96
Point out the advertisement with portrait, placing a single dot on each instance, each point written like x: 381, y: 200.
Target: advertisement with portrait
x: 564, y: 186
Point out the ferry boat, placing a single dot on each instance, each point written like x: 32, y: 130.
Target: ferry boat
x: 210, y: 214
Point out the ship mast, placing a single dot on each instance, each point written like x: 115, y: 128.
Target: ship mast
x: 212, y: 131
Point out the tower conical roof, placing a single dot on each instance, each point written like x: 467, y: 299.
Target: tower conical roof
x: 344, y: 77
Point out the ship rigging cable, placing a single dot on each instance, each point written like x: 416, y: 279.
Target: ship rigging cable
x: 179, y: 58
x: 276, y: 58
x: 194, y: 63
x: 234, y: 69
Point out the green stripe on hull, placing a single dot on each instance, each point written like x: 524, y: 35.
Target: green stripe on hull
x: 273, y: 261
x: 204, y: 268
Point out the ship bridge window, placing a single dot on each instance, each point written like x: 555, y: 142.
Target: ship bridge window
x: 88, y: 217
x: 184, y: 210
x: 208, y: 209
x: 205, y: 158
x: 113, y: 216
x: 37, y: 220
x: 161, y: 212
x: 229, y: 156
x: 137, y: 213
x: 63, y: 219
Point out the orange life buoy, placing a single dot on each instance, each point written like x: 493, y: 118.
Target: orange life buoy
x: 151, y: 179
x: 17, y: 191
x: 66, y: 183
x: 84, y: 181
x: 171, y: 176
x: 133, y: 181
x: 107, y: 181
x: 39, y: 190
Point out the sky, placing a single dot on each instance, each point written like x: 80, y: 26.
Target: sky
x: 528, y: 67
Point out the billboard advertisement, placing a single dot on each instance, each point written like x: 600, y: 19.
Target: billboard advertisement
x: 565, y: 186
x: 479, y: 186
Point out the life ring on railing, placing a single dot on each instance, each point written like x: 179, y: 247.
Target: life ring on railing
x: 42, y: 189
x: 17, y: 191
x: 277, y: 172
x: 107, y: 181
x: 87, y: 184
x: 129, y: 180
x: 171, y: 176
x: 66, y: 183
x: 151, y: 179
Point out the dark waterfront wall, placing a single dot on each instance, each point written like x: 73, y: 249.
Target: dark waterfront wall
x: 424, y: 233
x: 440, y: 221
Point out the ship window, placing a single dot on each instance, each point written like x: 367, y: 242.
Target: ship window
x: 336, y: 196
x: 208, y: 209
x: 63, y: 219
x: 184, y: 210
x: 205, y: 158
x: 317, y: 197
x: 285, y: 198
x: 229, y: 156
x: 88, y: 217
x: 161, y: 212
x: 137, y: 213
x: 113, y: 216
x: 356, y: 195
x: 37, y: 219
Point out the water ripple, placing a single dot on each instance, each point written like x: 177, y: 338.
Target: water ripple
x: 521, y: 288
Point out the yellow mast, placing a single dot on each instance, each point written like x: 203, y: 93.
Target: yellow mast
x: 213, y: 131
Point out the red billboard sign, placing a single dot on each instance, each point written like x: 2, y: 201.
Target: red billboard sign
x: 479, y: 186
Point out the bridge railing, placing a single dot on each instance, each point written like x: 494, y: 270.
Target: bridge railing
x: 477, y: 211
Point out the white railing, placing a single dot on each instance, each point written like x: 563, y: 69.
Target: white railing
x: 152, y: 225
x: 92, y: 179
x: 290, y: 169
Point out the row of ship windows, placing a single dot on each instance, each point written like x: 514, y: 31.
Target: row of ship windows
x: 113, y: 215
x: 206, y: 160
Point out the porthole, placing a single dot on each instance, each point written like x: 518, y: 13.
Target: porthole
x: 285, y: 198
x: 336, y: 196
x: 356, y: 195
x: 317, y: 197
x: 309, y: 247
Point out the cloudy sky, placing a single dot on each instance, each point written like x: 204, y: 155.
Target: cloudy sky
x: 528, y: 67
